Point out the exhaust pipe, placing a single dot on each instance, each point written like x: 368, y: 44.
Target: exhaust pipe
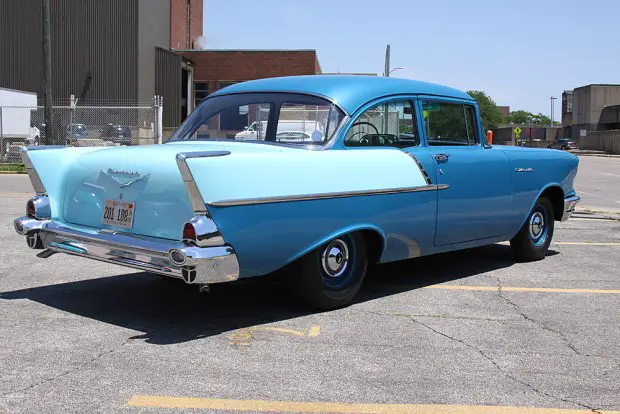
x: 177, y: 257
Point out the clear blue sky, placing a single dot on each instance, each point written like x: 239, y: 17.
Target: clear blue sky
x: 520, y: 52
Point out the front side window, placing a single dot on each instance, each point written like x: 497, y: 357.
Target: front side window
x: 449, y: 123
x: 269, y: 117
x: 390, y: 124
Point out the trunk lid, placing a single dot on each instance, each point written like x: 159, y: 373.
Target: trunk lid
x: 147, y: 176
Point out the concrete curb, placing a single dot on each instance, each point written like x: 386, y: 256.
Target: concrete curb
x: 592, y: 212
x: 594, y: 154
x: 12, y: 172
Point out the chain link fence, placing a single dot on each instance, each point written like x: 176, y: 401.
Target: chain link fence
x: 78, y: 125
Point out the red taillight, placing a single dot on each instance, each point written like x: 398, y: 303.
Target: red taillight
x: 189, y: 232
x: 30, y: 210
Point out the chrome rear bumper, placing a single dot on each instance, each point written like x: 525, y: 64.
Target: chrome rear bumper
x: 569, y: 206
x: 182, y: 260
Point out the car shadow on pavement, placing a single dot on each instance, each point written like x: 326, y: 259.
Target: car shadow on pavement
x: 168, y: 311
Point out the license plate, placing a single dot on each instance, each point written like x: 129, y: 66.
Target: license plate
x: 118, y: 213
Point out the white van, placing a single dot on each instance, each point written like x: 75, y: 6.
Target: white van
x: 257, y: 130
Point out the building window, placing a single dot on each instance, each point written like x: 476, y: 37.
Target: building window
x: 226, y: 83
x: 201, y: 90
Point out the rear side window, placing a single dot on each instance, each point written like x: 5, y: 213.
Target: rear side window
x: 302, y: 123
x: 449, y: 123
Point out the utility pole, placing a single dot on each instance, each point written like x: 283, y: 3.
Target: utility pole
x: 387, y: 62
x: 552, y: 99
x: 47, y: 71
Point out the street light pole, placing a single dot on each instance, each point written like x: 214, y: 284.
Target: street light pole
x: 386, y: 72
x: 552, y: 99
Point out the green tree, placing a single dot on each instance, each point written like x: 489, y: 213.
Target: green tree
x: 520, y: 117
x: 541, y: 119
x: 489, y: 112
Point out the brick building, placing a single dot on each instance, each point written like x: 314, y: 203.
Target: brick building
x: 185, y: 23
x: 216, y: 69
x: 210, y: 70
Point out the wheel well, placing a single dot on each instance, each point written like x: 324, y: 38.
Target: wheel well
x: 556, y: 196
x: 374, y: 245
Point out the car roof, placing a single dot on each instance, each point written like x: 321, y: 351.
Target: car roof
x: 348, y: 91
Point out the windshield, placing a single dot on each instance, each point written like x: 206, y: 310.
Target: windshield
x: 286, y: 118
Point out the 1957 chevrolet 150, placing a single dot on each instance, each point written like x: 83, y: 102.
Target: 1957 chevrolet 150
x: 375, y: 170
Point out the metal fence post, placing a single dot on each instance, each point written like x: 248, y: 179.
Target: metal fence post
x: 158, y: 127
x: 71, y: 118
x: 2, y: 148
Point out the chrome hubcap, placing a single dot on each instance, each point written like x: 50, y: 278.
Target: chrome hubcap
x: 537, y: 225
x: 335, y: 258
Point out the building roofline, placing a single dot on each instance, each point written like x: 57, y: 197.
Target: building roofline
x: 598, y: 84
x: 243, y: 50
x: 17, y: 90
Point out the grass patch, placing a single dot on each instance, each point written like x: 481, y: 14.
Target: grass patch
x: 20, y: 168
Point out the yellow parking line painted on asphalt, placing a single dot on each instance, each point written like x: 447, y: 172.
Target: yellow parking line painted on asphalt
x: 328, y: 407
x: 281, y: 330
x: 16, y: 195
x: 522, y: 289
x: 314, y: 331
x: 592, y: 219
x: 586, y: 243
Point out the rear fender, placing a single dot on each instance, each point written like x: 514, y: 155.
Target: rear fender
x: 342, y: 232
x: 47, y: 167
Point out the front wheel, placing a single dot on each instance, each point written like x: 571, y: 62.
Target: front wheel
x: 534, y: 238
x: 330, y: 276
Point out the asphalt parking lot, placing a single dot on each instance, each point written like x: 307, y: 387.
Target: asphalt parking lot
x: 470, y: 331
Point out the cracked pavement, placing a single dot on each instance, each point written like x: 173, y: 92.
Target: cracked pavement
x: 83, y: 336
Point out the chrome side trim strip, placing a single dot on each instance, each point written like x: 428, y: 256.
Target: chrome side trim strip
x: 421, y: 167
x: 321, y: 196
x: 44, y: 147
x: 198, y: 204
x: 37, y: 184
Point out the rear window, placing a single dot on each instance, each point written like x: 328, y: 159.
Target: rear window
x: 284, y: 118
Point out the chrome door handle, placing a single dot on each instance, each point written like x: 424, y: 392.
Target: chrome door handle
x: 442, y: 157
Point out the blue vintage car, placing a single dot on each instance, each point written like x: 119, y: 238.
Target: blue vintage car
x: 385, y: 169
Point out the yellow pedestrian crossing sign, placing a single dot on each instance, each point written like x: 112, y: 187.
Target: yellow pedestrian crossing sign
x: 517, y: 132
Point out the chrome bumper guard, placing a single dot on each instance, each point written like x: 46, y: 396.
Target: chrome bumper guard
x: 569, y: 206
x: 201, y: 265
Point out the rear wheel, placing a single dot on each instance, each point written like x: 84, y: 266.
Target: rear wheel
x: 534, y: 238
x: 330, y: 276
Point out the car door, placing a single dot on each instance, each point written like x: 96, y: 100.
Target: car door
x: 392, y: 124
x: 477, y: 202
